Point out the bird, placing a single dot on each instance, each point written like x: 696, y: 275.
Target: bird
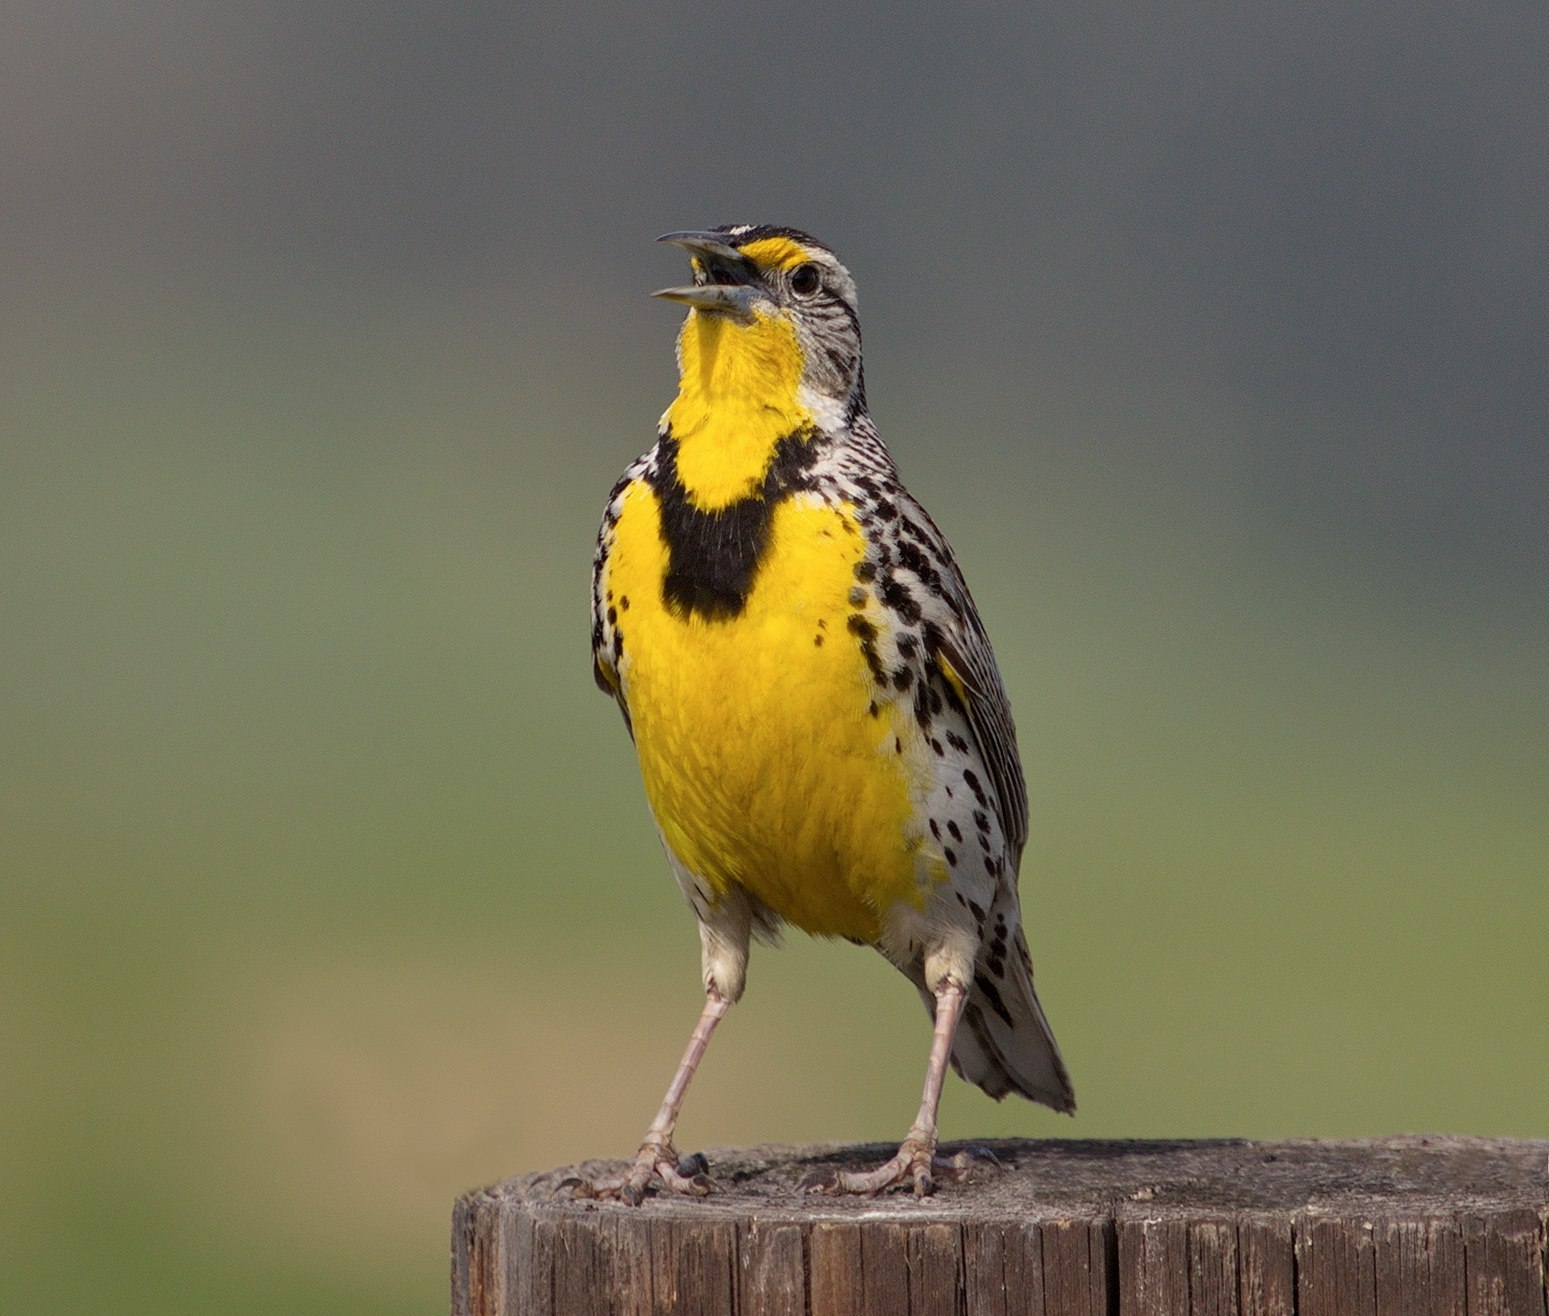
x: 822, y: 730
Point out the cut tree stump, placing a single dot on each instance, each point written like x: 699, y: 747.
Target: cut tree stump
x: 1412, y: 1226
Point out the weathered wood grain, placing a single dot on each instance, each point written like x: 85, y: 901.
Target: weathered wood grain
x: 1153, y: 1265
x: 1336, y: 1269
x: 835, y: 1279
x: 1438, y: 1226
x: 1420, y: 1268
x: 1077, y: 1256
x: 1213, y: 1268
x: 1266, y: 1250
x: 1504, y: 1259
x: 773, y: 1269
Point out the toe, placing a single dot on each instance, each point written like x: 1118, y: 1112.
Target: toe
x: 962, y: 1166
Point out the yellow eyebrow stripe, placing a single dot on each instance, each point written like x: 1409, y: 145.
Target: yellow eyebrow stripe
x: 776, y: 253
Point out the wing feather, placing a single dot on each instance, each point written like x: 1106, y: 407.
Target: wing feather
x: 959, y: 647
x: 965, y: 657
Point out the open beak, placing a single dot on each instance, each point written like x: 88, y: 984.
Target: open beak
x: 728, y: 287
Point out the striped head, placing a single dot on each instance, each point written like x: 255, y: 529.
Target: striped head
x: 772, y: 314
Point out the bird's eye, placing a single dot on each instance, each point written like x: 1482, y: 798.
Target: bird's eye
x: 806, y: 280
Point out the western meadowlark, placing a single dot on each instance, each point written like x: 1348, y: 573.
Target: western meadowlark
x: 821, y: 726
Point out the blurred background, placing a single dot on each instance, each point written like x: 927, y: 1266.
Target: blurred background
x: 1214, y: 337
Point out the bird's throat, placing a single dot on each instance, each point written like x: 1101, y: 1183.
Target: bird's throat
x: 737, y: 398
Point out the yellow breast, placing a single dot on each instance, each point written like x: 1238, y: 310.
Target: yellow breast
x: 768, y: 757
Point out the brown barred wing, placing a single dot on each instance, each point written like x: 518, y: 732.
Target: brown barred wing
x: 956, y: 642
x: 967, y: 661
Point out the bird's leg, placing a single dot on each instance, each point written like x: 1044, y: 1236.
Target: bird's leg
x: 916, y: 1157
x: 656, y: 1157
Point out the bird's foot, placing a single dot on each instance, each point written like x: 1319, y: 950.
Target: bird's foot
x: 916, y: 1165
x: 656, y: 1161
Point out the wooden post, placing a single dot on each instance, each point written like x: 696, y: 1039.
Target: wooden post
x: 1439, y: 1226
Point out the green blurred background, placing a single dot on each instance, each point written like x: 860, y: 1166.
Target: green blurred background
x: 1214, y: 337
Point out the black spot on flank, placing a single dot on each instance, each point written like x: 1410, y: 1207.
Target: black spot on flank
x: 971, y: 780
x: 957, y: 742
x: 610, y: 596
x: 997, y: 964
x: 981, y: 820
x: 885, y: 510
x: 957, y: 832
x: 817, y: 641
x: 951, y: 855
x: 935, y: 830
x: 865, y: 570
x: 898, y: 745
x: 902, y: 602
x: 948, y: 790
x: 992, y: 867
x: 857, y: 596
x: 872, y: 709
x: 908, y: 646
x: 624, y: 603
x: 913, y: 557
x: 613, y: 615
x: 618, y: 646
x: 866, y: 633
x: 936, y: 745
x: 922, y: 705
x: 903, y: 678
x: 822, y: 623
x: 978, y: 911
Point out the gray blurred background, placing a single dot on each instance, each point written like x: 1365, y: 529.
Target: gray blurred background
x: 1213, y: 336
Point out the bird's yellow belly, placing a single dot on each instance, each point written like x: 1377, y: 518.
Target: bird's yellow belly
x: 766, y: 762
